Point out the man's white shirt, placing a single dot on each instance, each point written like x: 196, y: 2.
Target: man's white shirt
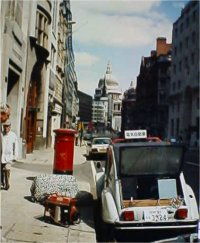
x: 9, y: 147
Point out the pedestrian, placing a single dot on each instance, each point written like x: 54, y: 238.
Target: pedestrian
x: 4, y: 115
x: 9, y: 153
x: 81, y: 136
x: 76, y: 138
x: 5, y: 112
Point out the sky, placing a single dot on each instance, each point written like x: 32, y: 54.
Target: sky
x: 119, y: 32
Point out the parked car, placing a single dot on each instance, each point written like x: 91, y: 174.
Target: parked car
x: 143, y: 193
x: 87, y: 136
x: 98, y: 146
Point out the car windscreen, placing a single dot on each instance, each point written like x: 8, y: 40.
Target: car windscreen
x: 101, y: 141
x: 150, y: 160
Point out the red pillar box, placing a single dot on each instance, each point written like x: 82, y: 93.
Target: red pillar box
x: 64, y: 151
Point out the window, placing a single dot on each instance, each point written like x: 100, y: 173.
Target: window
x: 175, y: 51
x: 186, y: 42
x: 53, y: 56
x: 176, y: 32
x: 42, y: 28
x: 173, y: 107
x: 187, y: 21
x: 180, y: 46
x: 179, y: 84
x: 174, y: 86
x: 181, y: 28
x: 180, y: 66
x: 192, y: 58
x: 174, y: 69
x: 186, y: 62
x: 193, y: 37
x: 194, y: 15
x: 178, y: 106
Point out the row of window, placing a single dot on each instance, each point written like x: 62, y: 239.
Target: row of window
x: 176, y: 85
x: 189, y: 41
x: 42, y: 25
x: 185, y: 64
x: 176, y: 107
x: 186, y: 22
x: 175, y: 128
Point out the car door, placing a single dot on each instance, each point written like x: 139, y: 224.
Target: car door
x: 109, y: 209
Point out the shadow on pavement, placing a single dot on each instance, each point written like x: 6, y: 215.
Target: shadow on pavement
x: 29, y: 198
x: 30, y: 178
x: 86, y: 216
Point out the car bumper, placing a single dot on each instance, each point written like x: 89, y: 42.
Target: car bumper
x: 153, y: 231
x: 158, y: 225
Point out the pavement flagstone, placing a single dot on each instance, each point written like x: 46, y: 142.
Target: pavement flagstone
x: 22, y: 220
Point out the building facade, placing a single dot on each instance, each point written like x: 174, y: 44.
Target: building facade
x: 85, y: 108
x: 70, y: 96
x: 128, y: 109
x: 184, y: 88
x: 33, y: 69
x: 152, y: 90
x: 107, y: 102
x: 13, y: 62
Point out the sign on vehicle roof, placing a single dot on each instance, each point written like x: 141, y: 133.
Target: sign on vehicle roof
x: 134, y: 134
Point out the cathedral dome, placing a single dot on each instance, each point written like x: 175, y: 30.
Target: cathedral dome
x: 109, y: 80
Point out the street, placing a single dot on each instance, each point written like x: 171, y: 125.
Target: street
x: 22, y: 220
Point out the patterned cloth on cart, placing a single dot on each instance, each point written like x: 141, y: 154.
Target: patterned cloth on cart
x: 47, y: 184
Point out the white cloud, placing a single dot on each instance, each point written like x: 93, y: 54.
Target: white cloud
x: 85, y: 59
x: 87, y: 83
x: 121, y: 27
x: 115, y: 6
x: 119, y: 31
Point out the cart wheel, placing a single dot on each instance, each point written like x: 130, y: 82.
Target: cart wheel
x: 77, y: 221
x: 76, y: 218
x: 64, y: 224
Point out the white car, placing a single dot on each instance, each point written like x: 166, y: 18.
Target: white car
x: 143, y: 194
x: 98, y: 146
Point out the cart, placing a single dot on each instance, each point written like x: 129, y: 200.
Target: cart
x: 62, y: 210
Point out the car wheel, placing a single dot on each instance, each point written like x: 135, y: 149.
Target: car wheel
x: 108, y: 232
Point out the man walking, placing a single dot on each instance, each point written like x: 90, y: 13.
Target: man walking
x: 9, y: 153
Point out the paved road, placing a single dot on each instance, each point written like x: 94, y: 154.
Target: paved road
x: 22, y: 220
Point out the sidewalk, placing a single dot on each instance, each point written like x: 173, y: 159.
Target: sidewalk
x: 22, y: 220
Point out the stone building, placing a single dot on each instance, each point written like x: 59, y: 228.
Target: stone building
x: 128, y: 109
x: 13, y: 62
x: 70, y: 96
x: 152, y: 90
x: 107, y: 102
x: 33, y: 68
x: 184, y: 88
x: 85, y: 108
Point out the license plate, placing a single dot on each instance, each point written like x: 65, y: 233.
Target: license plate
x: 102, y: 150
x: 155, y: 215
